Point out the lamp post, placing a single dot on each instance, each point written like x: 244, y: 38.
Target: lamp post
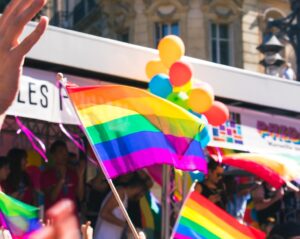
x: 273, y: 60
x: 289, y: 27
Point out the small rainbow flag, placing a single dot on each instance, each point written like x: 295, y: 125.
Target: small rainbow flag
x: 17, y: 217
x: 150, y: 216
x: 199, y: 218
x: 131, y: 128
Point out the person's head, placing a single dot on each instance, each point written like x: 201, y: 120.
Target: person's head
x: 4, y: 168
x: 215, y: 171
x: 17, y: 160
x: 59, y: 152
x: 136, y: 190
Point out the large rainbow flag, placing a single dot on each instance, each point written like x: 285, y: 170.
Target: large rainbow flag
x: 17, y: 217
x: 131, y: 128
x: 201, y: 219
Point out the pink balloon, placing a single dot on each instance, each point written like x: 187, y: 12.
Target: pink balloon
x: 217, y: 114
x: 180, y: 73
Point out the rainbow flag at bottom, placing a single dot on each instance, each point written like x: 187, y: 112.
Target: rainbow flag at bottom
x: 19, y: 218
x: 199, y: 218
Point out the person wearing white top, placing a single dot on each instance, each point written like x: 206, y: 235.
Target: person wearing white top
x: 111, y: 222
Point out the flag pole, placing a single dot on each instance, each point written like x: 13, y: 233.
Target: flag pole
x: 63, y: 82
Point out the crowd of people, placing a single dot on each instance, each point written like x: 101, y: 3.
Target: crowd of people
x: 253, y: 202
x: 62, y: 181
x: 62, y: 178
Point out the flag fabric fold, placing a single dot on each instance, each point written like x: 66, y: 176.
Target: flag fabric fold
x: 19, y: 218
x: 131, y: 128
x: 199, y: 218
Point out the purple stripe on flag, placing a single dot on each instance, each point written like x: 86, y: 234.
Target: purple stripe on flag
x: 152, y: 156
x: 179, y: 236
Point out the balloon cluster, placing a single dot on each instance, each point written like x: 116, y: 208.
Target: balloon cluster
x: 171, y: 78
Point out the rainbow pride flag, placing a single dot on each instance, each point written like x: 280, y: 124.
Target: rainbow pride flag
x: 17, y: 217
x: 131, y: 128
x: 151, y: 216
x: 199, y: 218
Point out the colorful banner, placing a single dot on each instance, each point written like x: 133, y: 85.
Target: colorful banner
x: 247, y: 130
x: 254, y: 131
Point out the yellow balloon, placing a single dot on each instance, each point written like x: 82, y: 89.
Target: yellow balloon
x: 200, y: 99
x: 171, y: 49
x: 185, y: 88
x: 155, y: 67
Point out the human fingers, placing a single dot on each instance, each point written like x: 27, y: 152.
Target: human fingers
x: 25, y: 46
x: 62, y: 209
x: 13, y: 32
x: 44, y: 233
x: 71, y: 224
x: 7, y: 13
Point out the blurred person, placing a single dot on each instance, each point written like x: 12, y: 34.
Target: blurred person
x: 212, y: 186
x: 18, y: 183
x: 111, y: 222
x: 289, y: 230
x: 97, y: 189
x: 134, y: 209
x: 4, y: 170
x: 12, y: 53
x: 237, y: 197
x: 60, y: 181
x: 267, y: 203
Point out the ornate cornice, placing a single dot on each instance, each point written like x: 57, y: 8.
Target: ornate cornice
x: 222, y: 11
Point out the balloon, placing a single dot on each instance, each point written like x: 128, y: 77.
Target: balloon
x: 185, y: 88
x: 179, y: 98
x: 160, y: 85
x: 155, y: 67
x: 171, y: 49
x: 180, y: 73
x: 201, y: 98
x: 217, y: 114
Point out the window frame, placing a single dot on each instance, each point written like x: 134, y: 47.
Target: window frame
x: 230, y: 39
x: 169, y: 30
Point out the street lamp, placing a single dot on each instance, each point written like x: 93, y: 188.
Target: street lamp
x: 273, y: 60
x: 289, y: 27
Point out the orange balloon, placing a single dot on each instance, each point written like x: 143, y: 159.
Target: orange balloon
x: 180, y: 73
x: 171, y: 49
x: 201, y: 98
x: 155, y: 67
x: 217, y: 114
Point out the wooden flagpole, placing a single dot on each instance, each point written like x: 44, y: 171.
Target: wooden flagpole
x: 63, y: 82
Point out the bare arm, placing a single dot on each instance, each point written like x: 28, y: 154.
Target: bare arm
x: 265, y: 203
x: 107, y: 209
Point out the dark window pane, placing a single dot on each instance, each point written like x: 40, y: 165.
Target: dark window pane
x: 165, y: 30
x: 223, y: 31
x: 214, y: 51
x: 224, y: 52
x: 213, y: 30
x: 175, y: 28
x: 157, y: 34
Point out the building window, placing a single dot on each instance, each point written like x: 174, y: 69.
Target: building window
x: 164, y: 29
x: 221, y: 50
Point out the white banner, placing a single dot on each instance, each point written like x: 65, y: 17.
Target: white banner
x: 40, y: 98
x: 247, y: 130
x: 254, y: 131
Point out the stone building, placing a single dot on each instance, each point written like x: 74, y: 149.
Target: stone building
x: 222, y: 31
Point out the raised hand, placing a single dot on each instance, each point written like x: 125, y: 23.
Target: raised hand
x: 12, y: 51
